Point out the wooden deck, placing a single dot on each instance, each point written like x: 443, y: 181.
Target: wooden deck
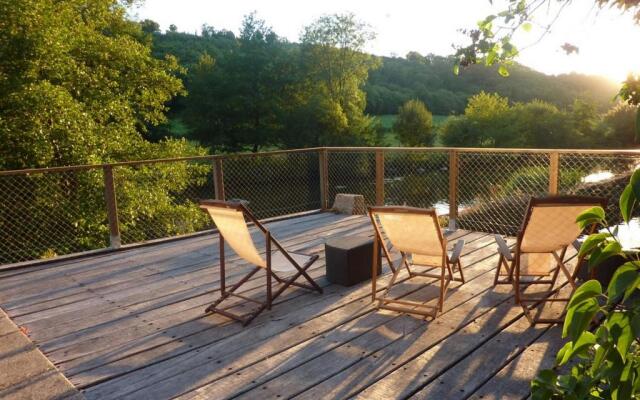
x: 131, y: 325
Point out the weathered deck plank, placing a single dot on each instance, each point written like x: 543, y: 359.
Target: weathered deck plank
x: 130, y: 325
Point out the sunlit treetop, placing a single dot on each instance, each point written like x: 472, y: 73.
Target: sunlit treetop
x: 491, y: 40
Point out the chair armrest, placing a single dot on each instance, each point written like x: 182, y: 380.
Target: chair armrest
x: 457, y: 251
x: 503, y: 248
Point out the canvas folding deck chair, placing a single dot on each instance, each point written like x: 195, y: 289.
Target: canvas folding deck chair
x: 548, y: 229
x: 416, y: 234
x: 229, y: 218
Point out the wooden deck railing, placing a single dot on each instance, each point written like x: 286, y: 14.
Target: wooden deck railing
x: 61, y: 210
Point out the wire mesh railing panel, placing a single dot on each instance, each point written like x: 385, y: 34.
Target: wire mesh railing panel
x: 353, y: 173
x: 274, y: 185
x: 418, y: 179
x: 494, y: 188
x: 600, y: 175
x: 43, y: 215
x: 158, y: 200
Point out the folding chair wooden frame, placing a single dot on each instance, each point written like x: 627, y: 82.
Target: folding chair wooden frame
x: 510, y: 259
x: 448, y: 263
x: 298, y: 268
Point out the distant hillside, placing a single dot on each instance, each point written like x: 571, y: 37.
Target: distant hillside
x: 431, y: 80
x: 428, y: 78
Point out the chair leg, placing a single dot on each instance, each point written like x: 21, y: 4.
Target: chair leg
x: 230, y: 291
x: 303, y: 271
x: 391, y: 283
x: 461, y: 273
x: 450, y: 271
x: 443, y: 289
x: 516, y: 281
x: 498, y: 267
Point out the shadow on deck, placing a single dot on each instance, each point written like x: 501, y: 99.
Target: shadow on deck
x: 131, y: 325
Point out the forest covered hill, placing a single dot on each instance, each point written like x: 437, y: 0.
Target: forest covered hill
x: 428, y: 78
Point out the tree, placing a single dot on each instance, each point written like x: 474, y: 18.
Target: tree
x: 489, y: 121
x: 491, y: 39
x: 150, y: 26
x: 336, y: 67
x: 414, y: 124
x: 486, y: 106
x: 619, y: 125
x: 487, y: 114
x: 237, y: 101
x: 78, y: 85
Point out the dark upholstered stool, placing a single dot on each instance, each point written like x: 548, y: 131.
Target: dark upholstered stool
x: 349, y: 260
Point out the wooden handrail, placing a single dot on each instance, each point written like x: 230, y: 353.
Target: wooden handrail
x: 613, y: 152
x: 153, y: 161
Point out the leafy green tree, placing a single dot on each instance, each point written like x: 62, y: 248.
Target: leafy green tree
x: 336, y: 68
x: 491, y: 40
x: 458, y: 131
x: 485, y: 123
x: 237, y: 100
x: 150, y: 26
x: 486, y: 106
x: 79, y: 85
x: 538, y: 124
x: 489, y: 121
x: 620, y: 125
x: 414, y: 125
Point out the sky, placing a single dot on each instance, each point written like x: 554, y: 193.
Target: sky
x: 606, y: 37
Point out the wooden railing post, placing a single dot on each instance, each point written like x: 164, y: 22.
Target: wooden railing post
x: 453, y: 189
x: 323, y: 166
x: 379, y: 177
x: 554, y: 167
x: 112, y: 207
x: 218, y: 178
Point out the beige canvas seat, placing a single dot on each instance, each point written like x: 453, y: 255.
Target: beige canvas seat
x: 231, y: 220
x: 548, y: 229
x: 416, y: 234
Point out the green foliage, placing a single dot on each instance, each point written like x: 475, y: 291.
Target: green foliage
x: 491, y: 39
x: 605, y: 363
x: 486, y: 107
x: 429, y: 79
x: 535, y: 178
x: 489, y: 121
x: 79, y: 85
x: 259, y: 91
x: 414, y: 124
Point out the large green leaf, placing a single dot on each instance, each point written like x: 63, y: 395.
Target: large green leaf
x: 627, y: 203
x: 623, y: 389
x: 584, y: 342
x: 542, y: 387
x: 590, y: 216
x: 623, y: 278
x: 586, y: 291
x: 593, y: 241
x: 578, y: 318
x: 610, y: 250
x: 619, y: 325
x: 635, y: 183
